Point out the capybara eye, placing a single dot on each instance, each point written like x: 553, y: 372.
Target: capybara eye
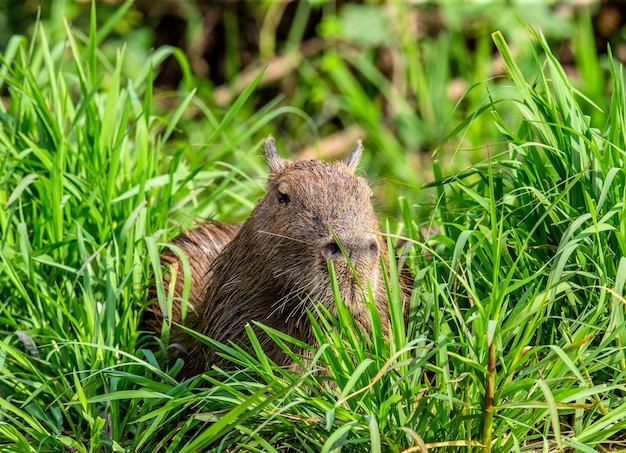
x: 283, y: 198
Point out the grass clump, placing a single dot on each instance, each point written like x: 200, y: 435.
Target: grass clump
x: 516, y: 337
x: 532, y: 278
x: 92, y: 173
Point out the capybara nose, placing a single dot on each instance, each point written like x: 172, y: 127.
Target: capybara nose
x: 363, y: 246
x: 332, y: 250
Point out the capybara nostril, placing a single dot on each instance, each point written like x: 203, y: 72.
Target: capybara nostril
x: 332, y: 251
x: 373, y: 247
x: 356, y: 248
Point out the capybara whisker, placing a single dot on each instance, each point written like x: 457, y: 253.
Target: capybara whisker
x: 282, y: 236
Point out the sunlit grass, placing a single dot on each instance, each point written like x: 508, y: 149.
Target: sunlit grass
x: 92, y: 178
x: 516, y: 336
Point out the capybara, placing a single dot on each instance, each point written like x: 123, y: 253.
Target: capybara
x: 274, y: 267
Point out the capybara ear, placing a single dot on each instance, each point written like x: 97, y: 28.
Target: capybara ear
x: 352, y: 161
x: 274, y: 161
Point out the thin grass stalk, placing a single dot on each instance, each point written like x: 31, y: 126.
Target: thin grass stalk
x: 490, y: 387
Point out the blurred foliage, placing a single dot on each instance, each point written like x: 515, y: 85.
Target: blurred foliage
x: 401, y: 75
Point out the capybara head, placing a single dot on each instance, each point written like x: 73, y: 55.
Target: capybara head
x: 315, y: 212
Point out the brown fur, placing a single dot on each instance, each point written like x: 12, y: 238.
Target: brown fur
x: 201, y: 246
x: 275, y: 266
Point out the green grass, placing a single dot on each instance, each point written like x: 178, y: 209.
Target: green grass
x: 517, y: 337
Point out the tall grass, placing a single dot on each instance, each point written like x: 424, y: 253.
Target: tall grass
x: 532, y: 282
x: 92, y: 177
x: 516, y: 336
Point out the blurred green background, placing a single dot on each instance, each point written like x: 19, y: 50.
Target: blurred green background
x: 416, y: 80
